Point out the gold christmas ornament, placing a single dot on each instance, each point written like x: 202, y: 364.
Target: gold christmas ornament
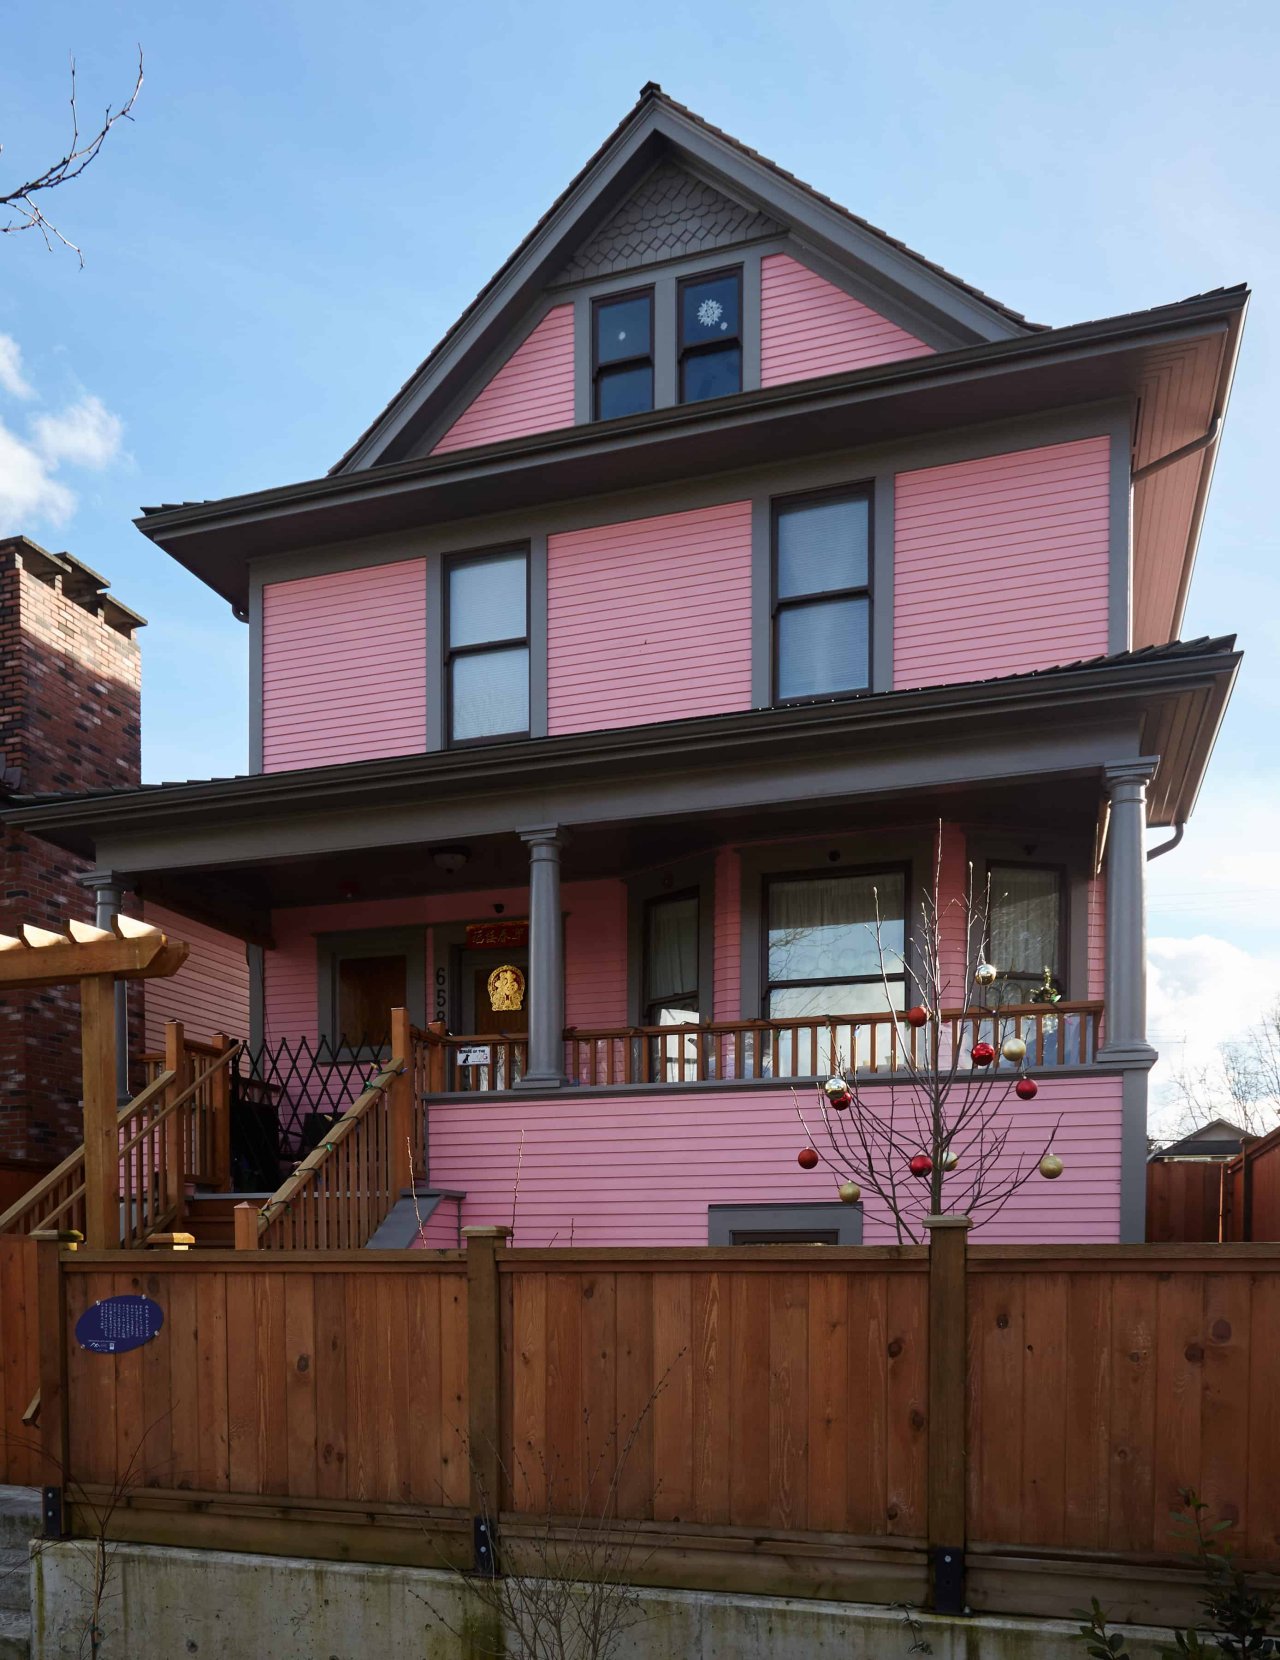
x: 985, y: 974
x: 1014, y: 1049
x: 1051, y: 1167
x: 850, y: 1193
x: 506, y: 988
x: 950, y: 1160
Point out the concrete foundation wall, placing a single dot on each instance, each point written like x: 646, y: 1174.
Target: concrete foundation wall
x: 167, y: 1604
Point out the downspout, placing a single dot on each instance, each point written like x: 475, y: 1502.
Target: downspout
x: 1193, y: 448
x: 1168, y: 847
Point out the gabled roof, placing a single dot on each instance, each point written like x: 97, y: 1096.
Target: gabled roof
x: 654, y: 127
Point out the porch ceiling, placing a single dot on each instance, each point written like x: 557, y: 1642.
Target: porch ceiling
x: 241, y: 898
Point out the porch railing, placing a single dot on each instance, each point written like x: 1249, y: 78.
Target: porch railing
x: 740, y: 1051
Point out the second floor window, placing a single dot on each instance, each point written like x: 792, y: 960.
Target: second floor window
x: 710, y: 336
x: 1025, y: 928
x: 822, y: 596
x: 622, y: 355
x: 487, y: 645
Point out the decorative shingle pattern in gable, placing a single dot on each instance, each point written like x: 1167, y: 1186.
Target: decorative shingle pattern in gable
x: 671, y: 213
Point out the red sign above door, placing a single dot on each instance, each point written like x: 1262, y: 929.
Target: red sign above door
x: 485, y: 936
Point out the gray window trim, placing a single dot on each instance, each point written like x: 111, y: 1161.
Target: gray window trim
x: 724, y: 1220
x: 678, y: 877
x: 334, y: 948
x: 912, y: 847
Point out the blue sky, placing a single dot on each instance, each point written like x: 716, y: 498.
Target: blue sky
x: 312, y: 192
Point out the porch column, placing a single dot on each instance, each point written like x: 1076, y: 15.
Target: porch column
x: 1126, y: 976
x: 546, y: 960
x: 108, y: 891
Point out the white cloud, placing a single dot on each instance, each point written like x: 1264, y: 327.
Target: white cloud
x: 1201, y: 991
x: 11, y: 377
x: 85, y: 434
x: 29, y: 494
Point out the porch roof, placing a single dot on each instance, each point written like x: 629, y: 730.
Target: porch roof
x: 678, y: 786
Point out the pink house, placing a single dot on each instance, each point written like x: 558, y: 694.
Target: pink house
x: 724, y: 571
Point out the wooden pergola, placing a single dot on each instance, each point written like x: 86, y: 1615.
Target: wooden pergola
x: 97, y: 958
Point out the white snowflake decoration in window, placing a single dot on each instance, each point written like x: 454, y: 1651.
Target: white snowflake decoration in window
x: 709, y: 313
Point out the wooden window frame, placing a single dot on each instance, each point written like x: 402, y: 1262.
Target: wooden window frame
x: 707, y: 348
x: 638, y: 361
x: 817, y: 498
x: 477, y: 556
x: 819, y: 874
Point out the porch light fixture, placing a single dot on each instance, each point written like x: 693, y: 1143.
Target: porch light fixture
x: 450, y: 859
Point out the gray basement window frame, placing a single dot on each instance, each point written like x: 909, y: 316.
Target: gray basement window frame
x: 744, y: 1224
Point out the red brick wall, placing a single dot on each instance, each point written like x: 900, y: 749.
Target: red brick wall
x: 70, y: 686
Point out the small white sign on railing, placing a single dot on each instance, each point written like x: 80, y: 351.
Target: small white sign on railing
x: 475, y: 1054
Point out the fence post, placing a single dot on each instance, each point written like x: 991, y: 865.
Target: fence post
x: 173, y: 1195
x: 947, y: 1410
x: 435, y: 1057
x: 245, y: 1217
x: 55, y: 1439
x: 220, y: 1106
x: 484, y: 1391
x: 400, y: 1106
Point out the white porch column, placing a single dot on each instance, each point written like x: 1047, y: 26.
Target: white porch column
x: 1126, y: 973
x: 546, y: 960
x: 108, y: 892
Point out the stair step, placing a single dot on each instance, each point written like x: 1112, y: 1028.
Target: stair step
x: 19, y: 1516
x: 15, y: 1635
x: 15, y: 1580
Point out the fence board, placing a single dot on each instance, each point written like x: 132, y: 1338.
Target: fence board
x: 19, y: 1359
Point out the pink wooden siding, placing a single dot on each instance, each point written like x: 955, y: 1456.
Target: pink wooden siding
x: 650, y: 620
x: 208, y: 994
x: 344, y: 666
x: 641, y: 1170
x: 1001, y: 564
x: 595, y: 954
x: 810, y: 327
x: 1098, y: 936
x: 953, y: 882
x: 727, y: 959
x: 532, y: 392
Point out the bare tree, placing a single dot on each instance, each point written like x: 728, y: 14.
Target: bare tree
x: 1241, y: 1083
x: 936, y: 1136
x: 22, y: 207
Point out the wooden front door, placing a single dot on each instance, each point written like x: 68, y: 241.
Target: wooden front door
x: 488, y: 1019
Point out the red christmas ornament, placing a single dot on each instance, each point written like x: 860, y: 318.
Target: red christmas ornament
x: 983, y: 1054
x: 918, y: 1017
x: 1026, y: 1089
x: 806, y: 1158
x: 841, y: 1103
x: 921, y: 1165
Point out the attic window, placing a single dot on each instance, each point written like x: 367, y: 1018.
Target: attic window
x: 710, y: 336
x: 622, y: 355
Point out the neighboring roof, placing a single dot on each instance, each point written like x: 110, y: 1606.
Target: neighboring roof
x: 81, y: 584
x: 1202, y: 670
x: 652, y: 95
x: 1218, y: 1139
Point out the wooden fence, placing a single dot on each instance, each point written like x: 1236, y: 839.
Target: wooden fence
x: 1236, y: 1201
x: 801, y: 1420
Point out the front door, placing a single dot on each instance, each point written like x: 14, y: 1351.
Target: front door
x: 482, y: 1020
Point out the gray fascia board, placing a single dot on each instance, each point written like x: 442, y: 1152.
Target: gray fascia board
x: 170, y: 527
x: 550, y: 764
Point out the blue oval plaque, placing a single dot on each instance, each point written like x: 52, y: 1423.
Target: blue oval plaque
x: 117, y: 1324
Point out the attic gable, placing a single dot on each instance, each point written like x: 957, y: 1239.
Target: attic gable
x: 665, y: 183
x: 672, y: 213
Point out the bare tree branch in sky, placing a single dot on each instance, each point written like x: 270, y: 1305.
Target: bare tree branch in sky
x: 22, y: 208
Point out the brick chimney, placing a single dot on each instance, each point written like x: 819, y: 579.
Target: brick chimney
x: 70, y: 721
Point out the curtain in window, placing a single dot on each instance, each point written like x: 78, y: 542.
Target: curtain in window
x: 1026, y: 917
x: 671, y: 955
x: 824, y: 928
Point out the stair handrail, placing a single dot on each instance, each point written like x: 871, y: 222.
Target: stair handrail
x: 171, y: 1167
x: 29, y: 1215
x: 304, y: 1183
